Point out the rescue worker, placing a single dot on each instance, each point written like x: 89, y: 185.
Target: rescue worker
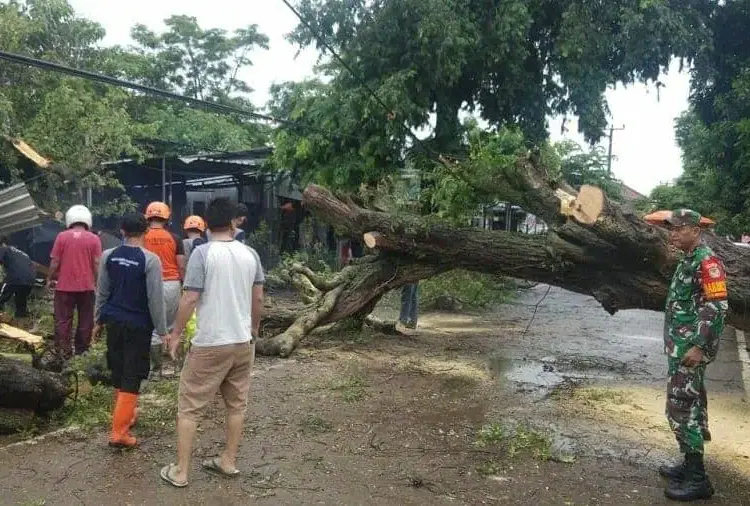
x: 130, y: 303
x: 72, y: 273
x: 168, y: 247
x: 694, y: 321
x: 194, y: 228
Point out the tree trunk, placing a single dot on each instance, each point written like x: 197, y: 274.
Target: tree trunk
x: 593, y: 246
x: 24, y: 388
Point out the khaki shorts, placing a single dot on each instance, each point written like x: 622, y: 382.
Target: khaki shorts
x: 209, y: 369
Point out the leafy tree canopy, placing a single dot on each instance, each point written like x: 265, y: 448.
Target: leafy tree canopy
x: 713, y: 135
x: 514, y: 63
x: 580, y: 166
x: 79, y: 124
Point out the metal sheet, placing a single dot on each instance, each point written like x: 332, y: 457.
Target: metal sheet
x: 286, y: 188
x: 17, y: 209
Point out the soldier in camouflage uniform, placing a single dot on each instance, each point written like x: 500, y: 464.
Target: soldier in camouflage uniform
x: 694, y: 321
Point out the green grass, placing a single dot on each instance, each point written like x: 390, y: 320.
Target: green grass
x: 158, y: 406
x: 316, y: 424
x: 489, y: 468
x: 352, y: 388
x: 33, y: 502
x: 517, y: 441
x: 23, y: 357
x: 92, y: 408
x: 490, y: 434
x: 529, y: 441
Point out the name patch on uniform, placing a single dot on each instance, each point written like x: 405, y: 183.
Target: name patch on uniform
x: 713, y: 279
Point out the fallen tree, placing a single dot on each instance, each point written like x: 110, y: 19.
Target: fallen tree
x: 26, y: 388
x: 593, y: 246
x: 29, y: 389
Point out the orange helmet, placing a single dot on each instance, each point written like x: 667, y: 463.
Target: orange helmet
x: 158, y: 210
x: 662, y: 218
x: 195, y: 222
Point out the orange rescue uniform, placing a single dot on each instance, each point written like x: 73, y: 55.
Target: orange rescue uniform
x: 167, y: 247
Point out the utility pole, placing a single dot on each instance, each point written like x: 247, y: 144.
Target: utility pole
x: 609, y: 154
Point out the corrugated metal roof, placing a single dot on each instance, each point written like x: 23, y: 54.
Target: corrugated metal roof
x: 17, y: 209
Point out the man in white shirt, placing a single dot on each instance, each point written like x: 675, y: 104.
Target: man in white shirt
x: 224, y: 284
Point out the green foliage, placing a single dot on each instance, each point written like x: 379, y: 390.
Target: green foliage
x: 459, y: 190
x: 708, y: 184
x: 202, y: 131
x: 201, y: 63
x: 317, y: 258
x: 579, y: 167
x: 262, y: 241
x: 713, y: 134
x: 348, y: 143
x: 79, y: 124
x: 78, y: 129
x: 158, y: 402
x: 490, y: 434
x: 316, y: 424
x: 472, y: 289
x: 513, y: 62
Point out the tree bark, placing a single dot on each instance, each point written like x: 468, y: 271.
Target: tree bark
x: 24, y: 388
x: 594, y: 247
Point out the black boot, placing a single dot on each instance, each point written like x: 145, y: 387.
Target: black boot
x: 695, y: 485
x: 675, y: 472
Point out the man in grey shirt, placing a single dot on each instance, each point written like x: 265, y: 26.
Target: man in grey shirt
x: 224, y: 284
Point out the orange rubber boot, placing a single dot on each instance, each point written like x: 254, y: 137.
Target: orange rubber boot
x: 121, y: 418
x: 135, y: 412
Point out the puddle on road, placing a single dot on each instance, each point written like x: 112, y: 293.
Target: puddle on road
x: 541, y: 377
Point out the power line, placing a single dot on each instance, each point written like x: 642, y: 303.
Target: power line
x: 121, y: 83
x: 319, y: 37
x: 612, y: 130
x: 325, y: 44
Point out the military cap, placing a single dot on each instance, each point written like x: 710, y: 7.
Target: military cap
x: 684, y: 218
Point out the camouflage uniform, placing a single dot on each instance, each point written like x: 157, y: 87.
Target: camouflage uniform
x: 694, y: 316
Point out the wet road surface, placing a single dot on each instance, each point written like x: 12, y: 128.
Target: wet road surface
x: 575, y: 336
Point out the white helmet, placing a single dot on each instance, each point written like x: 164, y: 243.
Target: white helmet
x: 78, y: 214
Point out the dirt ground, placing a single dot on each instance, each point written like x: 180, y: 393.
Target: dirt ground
x: 473, y: 409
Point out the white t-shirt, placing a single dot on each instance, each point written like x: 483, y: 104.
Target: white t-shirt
x: 224, y: 272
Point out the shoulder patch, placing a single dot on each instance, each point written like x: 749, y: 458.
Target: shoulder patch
x: 713, y: 279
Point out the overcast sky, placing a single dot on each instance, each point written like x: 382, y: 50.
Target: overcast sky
x: 646, y: 153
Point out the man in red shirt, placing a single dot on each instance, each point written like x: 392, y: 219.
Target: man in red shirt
x: 72, y: 273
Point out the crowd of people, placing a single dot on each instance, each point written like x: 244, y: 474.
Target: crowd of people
x: 146, y: 290
x: 141, y: 294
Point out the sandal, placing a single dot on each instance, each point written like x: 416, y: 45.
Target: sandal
x: 167, y: 474
x: 214, y: 466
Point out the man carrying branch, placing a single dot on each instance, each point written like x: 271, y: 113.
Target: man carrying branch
x: 694, y: 312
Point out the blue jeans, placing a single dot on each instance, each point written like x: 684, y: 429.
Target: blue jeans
x: 409, y: 305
